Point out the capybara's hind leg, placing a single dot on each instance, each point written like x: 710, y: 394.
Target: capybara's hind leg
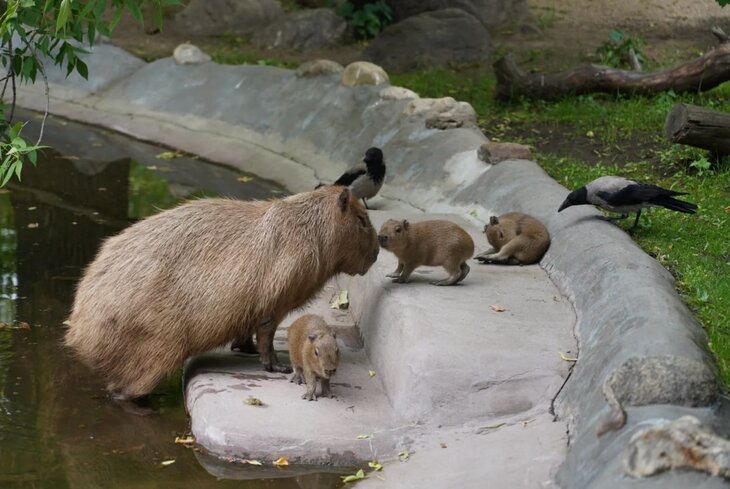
x: 298, y: 376
x: 267, y: 355
x: 483, y: 256
x: 244, y: 345
x: 396, y: 273
x: 464, y: 272
x: 139, y: 406
x: 455, y: 272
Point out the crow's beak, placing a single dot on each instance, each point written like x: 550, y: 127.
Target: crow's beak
x: 566, y: 203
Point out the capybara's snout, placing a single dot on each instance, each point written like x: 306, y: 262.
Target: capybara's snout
x: 329, y: 372
x: 383, y: 240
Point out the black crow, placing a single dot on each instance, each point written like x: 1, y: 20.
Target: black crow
x: 365, y: 179
x: 618, y: 194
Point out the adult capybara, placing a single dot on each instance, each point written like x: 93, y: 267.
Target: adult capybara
x: 430, y: 243
x: 314, y: 354
x: 207, y: 272
x: 516, y: 239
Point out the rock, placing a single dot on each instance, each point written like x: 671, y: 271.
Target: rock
x: 219, y: 17
x: 490, y: 13
x: 442, y: 113
x: 448, y: 37
x: 363, y: 73
x: 319, y: 67
x: 306, y: 30
x: 494, y: 153
x: 680, y: 444
x: 661, y: 379
x: 189, y: 54
x: 397, y: 93
x: 319, y: 3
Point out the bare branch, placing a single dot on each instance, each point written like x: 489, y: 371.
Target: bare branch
x: 634, y: 60
x: 720, y: 35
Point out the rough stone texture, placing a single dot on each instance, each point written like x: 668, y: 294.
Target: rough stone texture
x: 442, y: 113
x: 491, y: 13
x: 363, y: 73
x: 449, y: 37
x: 680, y: 444
x: 189, y: 54
x: 307, y: 30
x: 219, y: 17
x: 225, y: 113
x: 397, y: 93
x: 319, y: 67
x: 494, y: 153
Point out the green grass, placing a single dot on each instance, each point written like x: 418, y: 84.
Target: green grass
x: 577, y: 139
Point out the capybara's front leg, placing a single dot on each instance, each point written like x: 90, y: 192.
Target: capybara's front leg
x: 326, y: 392
x: 397, y: 272
x: 484, y: 256
x: 404, y: 275
x: 311, y: 379
x: 298, y: 376
x: 265, y: 336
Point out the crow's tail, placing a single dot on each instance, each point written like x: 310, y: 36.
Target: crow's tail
x: 675, y: 204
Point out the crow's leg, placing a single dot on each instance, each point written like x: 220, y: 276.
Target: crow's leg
x: 636, y: 221
x: 365, y: 203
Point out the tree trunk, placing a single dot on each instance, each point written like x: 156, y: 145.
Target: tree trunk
x: 700, y: 127
x: 700, y: 74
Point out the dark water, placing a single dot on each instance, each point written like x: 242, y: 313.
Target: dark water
x: 57, y: 430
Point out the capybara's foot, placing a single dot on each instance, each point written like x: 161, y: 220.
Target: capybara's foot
x: 393, y: 275
x: 278, y: 367
x: 139, y: 406
x: 297, y: 378
x: 446, y: 281
x: 309, y: 396
x: 246, y: 346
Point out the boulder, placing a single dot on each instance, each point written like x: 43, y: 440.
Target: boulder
x: 494, y: 153
x: 306, y: 30
x: 189, y: 54
x: 442, y: 113
x: 218, y: 17
x: 490, y: 13
x: 449, y: 37
x: 363, y: 73
x: 397, y: 93
x: 319, y: 67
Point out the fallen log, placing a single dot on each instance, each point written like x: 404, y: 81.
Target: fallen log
x: 703, y: 73
x: 699, y: 127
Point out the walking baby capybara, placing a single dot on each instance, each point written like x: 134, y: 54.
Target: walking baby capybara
x: 516, y: 239
x: 430, y: 243
x: 195, y: 277
x: 314, y: 354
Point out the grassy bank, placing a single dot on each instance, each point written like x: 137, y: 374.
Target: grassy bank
x: 580, y: 138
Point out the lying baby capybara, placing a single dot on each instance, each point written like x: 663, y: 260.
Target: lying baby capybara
x: 195, y: 277
x: 430, y: 243
x: 314, y: 354
x: 516, y: 239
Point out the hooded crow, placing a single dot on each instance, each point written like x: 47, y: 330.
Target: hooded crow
x: 365, y: 179
x: 618, y: 194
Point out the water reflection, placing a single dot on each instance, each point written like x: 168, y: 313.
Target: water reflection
x: 56, y: 428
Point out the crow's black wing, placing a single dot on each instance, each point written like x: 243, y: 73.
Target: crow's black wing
x: 349, y: 176
x: 636, y: 194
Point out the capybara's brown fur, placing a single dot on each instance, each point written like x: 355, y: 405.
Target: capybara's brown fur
x: 314, y: 354
x: 516, y: 239
x: 431, y: 243
x: 207, y: 272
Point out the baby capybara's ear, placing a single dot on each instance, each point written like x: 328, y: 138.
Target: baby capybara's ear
x: 493, y: 220
x: 406, y: 224
x: 312, y: 337
x: 344, y: 199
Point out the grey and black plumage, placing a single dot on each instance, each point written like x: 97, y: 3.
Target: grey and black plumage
x: 365, y: 179
x: 618, y: 194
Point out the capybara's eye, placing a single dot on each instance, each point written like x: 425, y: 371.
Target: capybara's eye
x: 363, y: 222
x: 316, y: 352
x: 397, y: 230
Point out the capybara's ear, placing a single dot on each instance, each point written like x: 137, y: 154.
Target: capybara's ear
x: 493, y: 220
x: 334, y: 335
x: 344, y: 198
x: 312, y: 337
x: 406, y: 224
x: 485, y: 228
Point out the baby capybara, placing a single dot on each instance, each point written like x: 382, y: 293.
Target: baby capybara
x: 431, y: 243
x: 314, y: 354
x: 516, y: 239
x: 195, y: 277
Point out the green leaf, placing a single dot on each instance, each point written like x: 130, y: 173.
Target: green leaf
x: 82, y: 69
x: 9, y: 173
x: 354, y: 477
x: 157, y: 18
x: 63, y: 13
x: 135, y: 11
x: 115, y: 20
x: 33, y: 156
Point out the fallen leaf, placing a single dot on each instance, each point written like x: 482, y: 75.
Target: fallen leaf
x: 102, y: 189
x: 185, y: 440
x: 567, y: 358
x: 244, y: 179
x: 380, y: 477
x: 341, y: 301
x: 251, y: 462
x: 169, y: 155
x: 151, y: 167
x: 281, y: 461
x: 32, y: 208
x: 497, y: 308
x: 22, y: 325
x: 371, y: 373
x: 354, y: 477
x: 525, y: 423
x: 473, y: 213
x: 727, y: 209
x: 32, y: 225
x: 70, y: 157
x: 165, y: 463
x: 253, y: 401
x: 404, y: 455
x: 363, y: 437
x: 443, y: 445
x: 3, y: 325
x: 590, y: 134
x: 375, y: 465
x: 487, y: 429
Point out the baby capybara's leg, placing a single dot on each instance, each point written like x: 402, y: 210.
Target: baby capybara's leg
x: 267, y: 355
x: 405, y: 274
x: 396, y: 273
x: 464, y: 272
x: 454, y: 270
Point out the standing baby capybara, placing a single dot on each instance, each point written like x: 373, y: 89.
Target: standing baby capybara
x: 516, y: 239
x: 207, y: 272
x: 314, y: 354
x: 431, y: 243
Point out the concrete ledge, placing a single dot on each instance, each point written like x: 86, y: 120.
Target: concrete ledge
x: 625, y: 302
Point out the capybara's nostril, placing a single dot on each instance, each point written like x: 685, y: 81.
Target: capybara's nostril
x: 383, y: 240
